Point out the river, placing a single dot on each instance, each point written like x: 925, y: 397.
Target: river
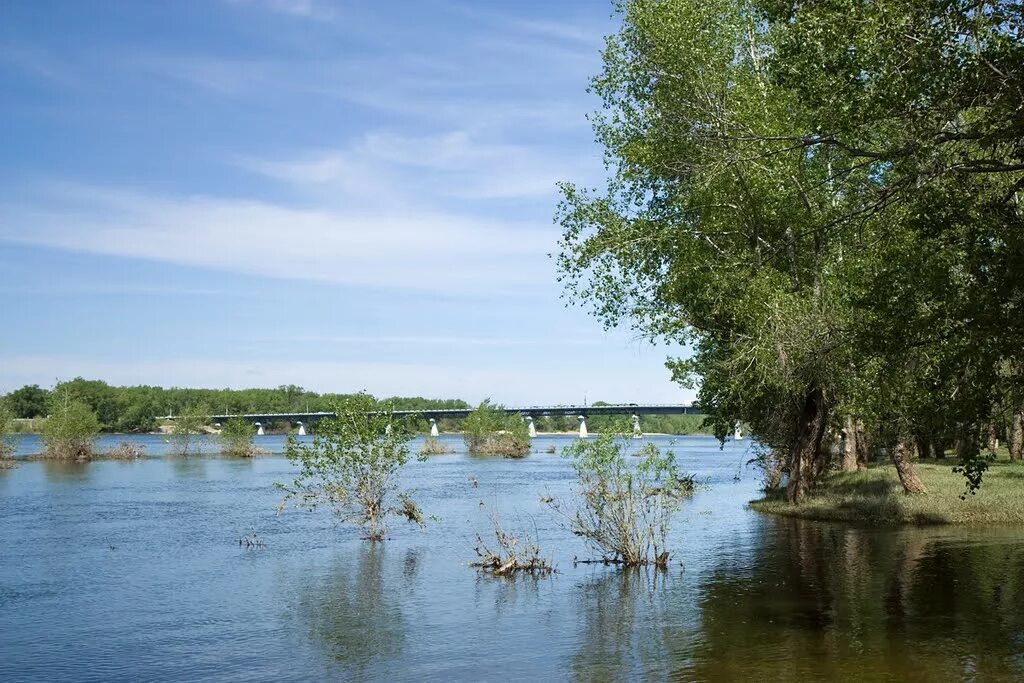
x: 133, y: 571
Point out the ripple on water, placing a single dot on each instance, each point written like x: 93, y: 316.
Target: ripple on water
x: 134, y: 572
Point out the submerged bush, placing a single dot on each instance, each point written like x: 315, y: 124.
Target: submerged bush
x: 70, y: 429
x: 352, y: 465
x: 515, y: 553
x: 624, y: 512
x: 187, y: 428
x: 489, y: 431
x: 434, y: 446
x: 236, y: 438
x: 126, y: 450
x: 6, y: 447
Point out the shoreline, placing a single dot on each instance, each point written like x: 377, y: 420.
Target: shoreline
x: 874, y: 498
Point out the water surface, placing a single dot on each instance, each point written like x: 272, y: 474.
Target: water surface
x: 129, y: 571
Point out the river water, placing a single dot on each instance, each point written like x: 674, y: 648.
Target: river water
x: 132, y: 571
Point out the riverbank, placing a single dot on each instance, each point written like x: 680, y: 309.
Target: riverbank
x: 874, y: 497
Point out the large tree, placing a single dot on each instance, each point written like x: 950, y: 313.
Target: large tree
x: 795, y: 192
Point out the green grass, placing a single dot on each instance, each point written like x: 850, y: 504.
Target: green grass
x: 874, y: 497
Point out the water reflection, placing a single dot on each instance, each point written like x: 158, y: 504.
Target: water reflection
x: 355, y: 613
x: 826, y: 602
x: 188, y: 467
x: 66, y: 471
x: 620, y: 611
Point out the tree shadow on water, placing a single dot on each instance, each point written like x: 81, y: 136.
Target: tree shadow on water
x: 354, y: 612
x: 832, y: 602
x: 623, y: 615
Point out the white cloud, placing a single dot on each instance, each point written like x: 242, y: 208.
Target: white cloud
x: 423, y: 249
x: 456, y: 164
x: 306, y: 9
x: 452, y: 341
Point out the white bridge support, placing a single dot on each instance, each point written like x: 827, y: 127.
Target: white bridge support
x: 532, y: 428
x: 259, y: 429
x: 302, y: 429
x: 637, y: 433
x: 738, y: 434
x: 433, y: 428
x: 583, y: 427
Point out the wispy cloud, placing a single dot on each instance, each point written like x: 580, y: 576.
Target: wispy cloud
x: 428, y: 250
x: 454, y: 341
x: 456, y: 164
x: 306, y: 9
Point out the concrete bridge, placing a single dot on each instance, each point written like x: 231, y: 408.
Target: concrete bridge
x: 528, y: 413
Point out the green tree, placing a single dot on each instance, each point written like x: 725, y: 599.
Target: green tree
x: 624, y: 511
x: 352, y: 465
x: 70, y: 429
x: 29, y: 401
x: 236, y: 438
x: 831, y: 241
x: 188, y: 426
x: 488, y: 430
x: 6, y: 447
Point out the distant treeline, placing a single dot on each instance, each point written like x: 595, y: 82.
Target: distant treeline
x: 136, y: 408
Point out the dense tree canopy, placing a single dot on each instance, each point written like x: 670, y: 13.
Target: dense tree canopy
x: 822, y: 200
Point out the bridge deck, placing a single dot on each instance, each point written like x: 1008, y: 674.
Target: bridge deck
x: 531, y: 411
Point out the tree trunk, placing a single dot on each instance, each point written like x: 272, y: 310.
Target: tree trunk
x: 993, y: 437
x: 805, y: 457
x: 939, y: 449
x: 924, y: 447
x: 850, y: 446
x: 863, y: 446
x: 1017, y: 437
x: 967, y: 443
x: 901, y: 457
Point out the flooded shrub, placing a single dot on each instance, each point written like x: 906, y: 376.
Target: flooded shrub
x: 489, y: 431
x: 6, y: 447
x: 236, y: 439
x: 186, y: 430
x: 434, y: 446
x: 70, y: 429
x: 513, y: 553
x: 624, y: 511
x: 352, y: 465
x: 126, y: 450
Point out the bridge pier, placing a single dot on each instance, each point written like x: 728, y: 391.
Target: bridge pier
x: 259, y: 429
x: 532, y: 428
x: 583, y: 427
x: 637, y: 434
x: 738, y: 434
x: 433, y: 428
x: 302, y: 429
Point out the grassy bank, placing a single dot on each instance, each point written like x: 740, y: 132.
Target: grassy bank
x: 874, y: 497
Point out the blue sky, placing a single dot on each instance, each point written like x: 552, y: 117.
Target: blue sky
x: 342, y: 195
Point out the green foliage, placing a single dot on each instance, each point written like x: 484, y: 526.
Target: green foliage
x: 624, y: 510
x: 489, y: 431
x: 188, y: 426
x: 71, y: 428
x: 352, y: 465
x: 28, y: 402
x: 236, y: 438
x: 6, y: 447
x: 822, y: 201
x: 973, y: 469
x: 134, y: 408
